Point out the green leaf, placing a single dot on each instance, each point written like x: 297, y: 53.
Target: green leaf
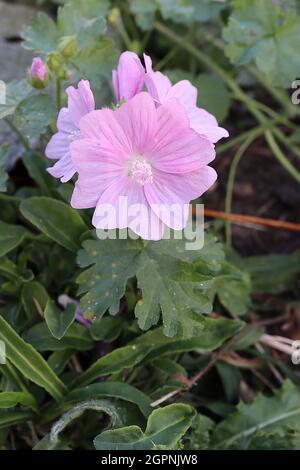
x: 12, y: 417
x: 213, y: 95
x: 278, y: 413
x: 11, y: 271
x: 87, y: 60
x: 11, y: 236
x: 50, y: 216
x: 77, y: 337
x: 106, y: 329
x: 16, y: 91
x: 116, y: 361
x: 234, y: 290
x: 11, y: 399
x: 59, y: 321
x: 42, y: 35
x: 266, y: 33
x: 166, y: 274
x: 34, y: 114
x: 4, y: 154
x: 272, y: 274
x: 34, y: 297
x: 214, y: 333
x: 200, y: 433
x: 165, y: 427
x: 29, y: 362
x: 36, y: 165
x: 189, y: 11
x: 118, y: 390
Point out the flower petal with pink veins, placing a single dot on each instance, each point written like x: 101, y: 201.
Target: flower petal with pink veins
x: 177, y: 148
x: 58, y: 146
x: 206, y: 124
x: 169, y: 195
x: 124, y: 205
x: 80, y: 101
x: 138, y: 119
x: 102, y: 125
x: 128, y: 79
x: 97, y: 167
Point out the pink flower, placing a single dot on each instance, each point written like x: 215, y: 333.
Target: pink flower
x: 38, y: 69
x: 128, y: 79
x: 140, y: 156
x: 80, y: 102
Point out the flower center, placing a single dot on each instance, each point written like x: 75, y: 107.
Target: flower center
x: 75, y: 135
x: 140, y: 170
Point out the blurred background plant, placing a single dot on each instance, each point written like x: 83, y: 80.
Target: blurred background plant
x: 223, y: 377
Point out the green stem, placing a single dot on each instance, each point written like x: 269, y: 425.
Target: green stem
x: 58, y: 94
x: 280, y: 156
x: 19, y: 134
x: 231, y: 177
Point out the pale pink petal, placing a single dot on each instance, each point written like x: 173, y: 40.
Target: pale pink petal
x: 80, y: 101
x: 148, y: 63
x: 186, y: 94
x: 138, y: 120
x: 65, y: 123
x: 97, y: 168
x: 170, y: 194
x: 103, y: 126
x: 63, y: 169
x: 177, y: 148
x: 127, y: 206
x: 158, y: 85
x: 58, y: 146
x: 128, y: 79
x: 206, y: 124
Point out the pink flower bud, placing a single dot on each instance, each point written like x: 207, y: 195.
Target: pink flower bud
x: 38, y: 69
x: 39, y: 75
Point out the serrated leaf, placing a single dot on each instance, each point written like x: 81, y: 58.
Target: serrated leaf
x: 29, y: 362
x: 41, y: 36
x: 189, y: 11
x: 34, y: 114
x: 175, y: 280
x: 165, y: 427
x: 266, y: 33
x: 50, y: 216
x: 16, y: 91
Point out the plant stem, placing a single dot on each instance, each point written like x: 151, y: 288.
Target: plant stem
x: 19, y: 134
x: 231, y: 178
x: 280, y: 156
x: 58, y: 94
